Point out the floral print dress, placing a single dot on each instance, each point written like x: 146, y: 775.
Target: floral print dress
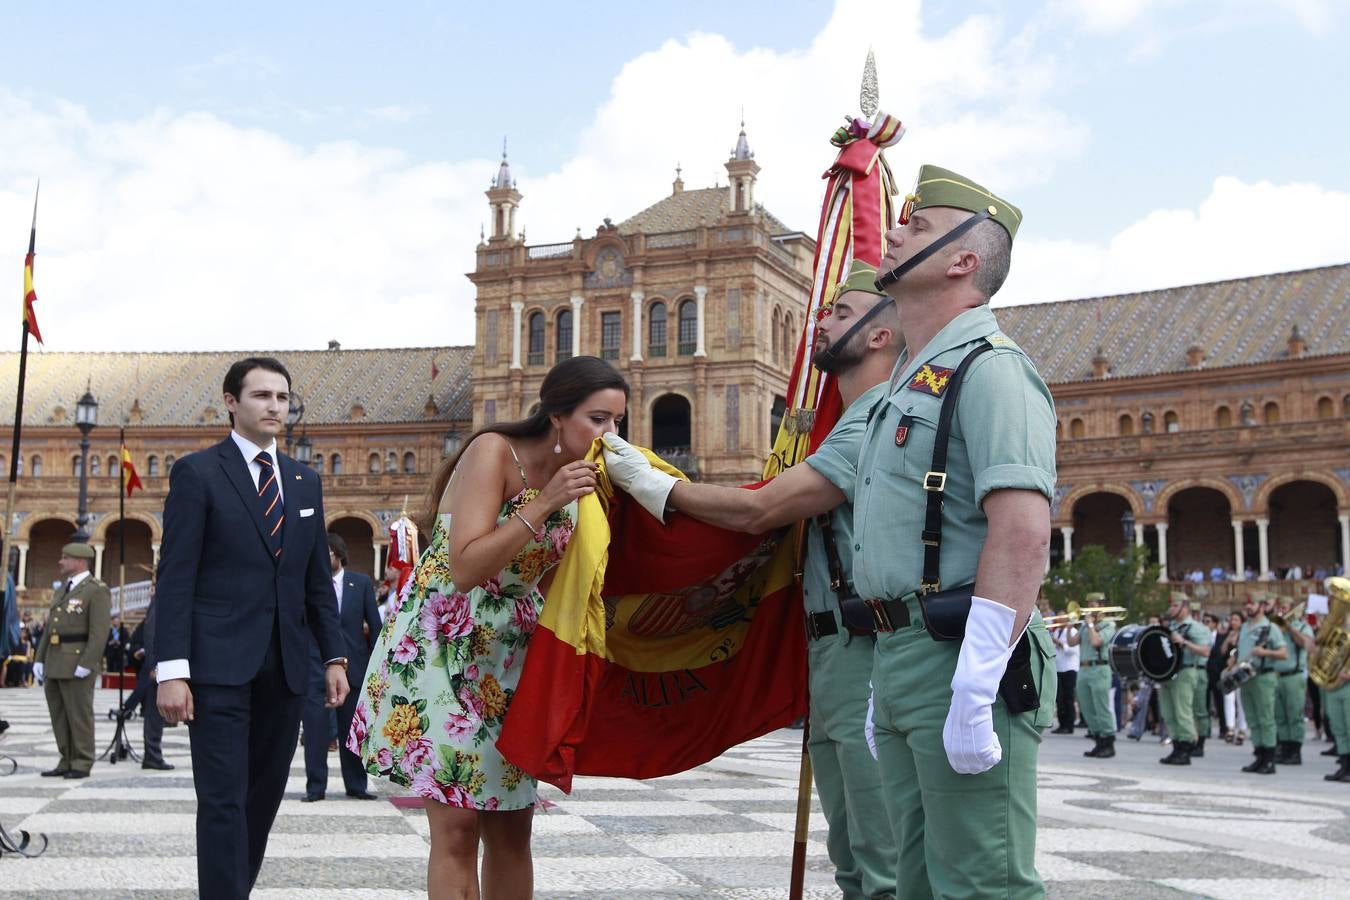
x: 445, y: 668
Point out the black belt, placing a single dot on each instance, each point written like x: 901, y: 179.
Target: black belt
x: 823, y: 624
x: 1091, y: 664
x: 74, y: 638
x: 888, y: 615
x: 1194, y: 666
x: 1290, y: 674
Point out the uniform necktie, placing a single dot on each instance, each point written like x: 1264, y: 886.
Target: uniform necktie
x: 269, y: 497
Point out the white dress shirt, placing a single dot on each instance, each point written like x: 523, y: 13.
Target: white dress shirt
x: 74, y: 580
x: 337, y: 587
x: 1066, y: 655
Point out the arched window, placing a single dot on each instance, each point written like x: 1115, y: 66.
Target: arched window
x: 37, y: 466
x: 1171, y: 422
x: 169, y: 460
x: 114, y: 467
x: 75, y: 465
x: 410, y: 463
x: 562, y: 341
x: 373, y: 464
x: 337, y: 463
x: 1126, y: 425
x: 95, y: 467
x: 152, y: 466
x: 1326, y: 409
x: 317, y: 463
x: 536, y: 354
x: 1271, y: 413
x: 391, y: 462
x: 688, y: 328
x: 775, y: 338
x: 1076, y: 429
x: 789, y: 337
x: 656, y: 330
x: 1223, y: 417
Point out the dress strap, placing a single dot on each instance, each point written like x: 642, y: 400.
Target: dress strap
x: 519, y: 467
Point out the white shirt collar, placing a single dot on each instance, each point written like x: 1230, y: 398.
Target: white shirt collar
x: 337, y: 576
x: 250, y: 449
x: 77, y: 578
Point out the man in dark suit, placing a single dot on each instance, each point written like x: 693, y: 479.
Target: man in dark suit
x: 359, y: 620
x: 243, y: 588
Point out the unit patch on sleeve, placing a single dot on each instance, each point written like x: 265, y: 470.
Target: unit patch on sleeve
x: 931, y: 380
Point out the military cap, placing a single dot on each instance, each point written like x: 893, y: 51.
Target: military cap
x: 77, y: 550
x: 1094, y: 597
x: 1180, y: 597
x: 937, y: 186
x: 862, y: 276
x: 1196, y: 606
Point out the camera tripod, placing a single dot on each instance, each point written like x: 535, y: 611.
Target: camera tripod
x: 119, y: 747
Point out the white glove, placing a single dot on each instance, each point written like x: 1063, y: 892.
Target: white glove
x: 629, y: 470
x: 869, y: 727
x: 81, y: 672
x: 39, y: 672
x: 968, y: 735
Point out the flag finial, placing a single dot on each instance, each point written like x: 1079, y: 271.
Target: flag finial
x: 869, y: 96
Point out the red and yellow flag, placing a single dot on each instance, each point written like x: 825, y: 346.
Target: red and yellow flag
x: 130, y: 480
x: 29, y: 298
x: 659, y: 646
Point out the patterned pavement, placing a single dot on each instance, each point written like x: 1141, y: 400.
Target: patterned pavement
x: 1120, y: 828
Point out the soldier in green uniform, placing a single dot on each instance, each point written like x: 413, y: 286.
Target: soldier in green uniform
x: 1200, y: 705
x: 69, y: 657
x: 848, y: 780
x: 1337, y: 703
x: 1094, y: 677
x: 1260, y: 643
x: 1192, y: 641
x: 1291, y: 687
x: 956, y: 740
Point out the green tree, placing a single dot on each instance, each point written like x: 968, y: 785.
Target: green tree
x: 1130, y: 581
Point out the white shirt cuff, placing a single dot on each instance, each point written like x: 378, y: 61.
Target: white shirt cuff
x: 172, y: 670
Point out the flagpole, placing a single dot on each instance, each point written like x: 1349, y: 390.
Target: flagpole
x: 798, y: 874
x: 8, y: 528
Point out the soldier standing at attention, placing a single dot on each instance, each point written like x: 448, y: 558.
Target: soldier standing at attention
x: 69, y: 656
x: 1261, y: 644
x: 1291, y: 688
x: 951, y: 536
x: 1094, y: 678
x: 1178, y: 695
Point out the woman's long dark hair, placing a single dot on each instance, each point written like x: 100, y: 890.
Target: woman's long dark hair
x: 565, y: 386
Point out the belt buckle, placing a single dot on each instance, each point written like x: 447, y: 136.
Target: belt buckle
x: 812, y: 630
x: 926, y: 588
x: 56, y: 639
x: 880, y: 617
x: 935, y: 481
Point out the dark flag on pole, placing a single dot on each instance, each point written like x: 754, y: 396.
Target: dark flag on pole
x: 30, y: 326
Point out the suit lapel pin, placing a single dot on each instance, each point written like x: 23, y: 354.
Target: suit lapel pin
x: 297, y: 478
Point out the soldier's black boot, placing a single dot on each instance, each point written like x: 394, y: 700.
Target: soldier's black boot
x: 1198, y: 748
x: 1180, y: 755
x: 1258, y: 756
x: 1282, y: 752
x: 1104, y: 748
x: 1292, y: 756
x: 1266, y: 762
x: 1343, y: 773
x: 1330, y: 751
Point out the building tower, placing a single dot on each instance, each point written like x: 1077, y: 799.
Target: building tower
x: 503, y: 198
x: 741, y: 172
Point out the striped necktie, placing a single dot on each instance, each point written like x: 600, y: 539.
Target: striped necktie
x: 269, y: 496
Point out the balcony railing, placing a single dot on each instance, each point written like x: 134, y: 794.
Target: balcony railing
x: 1208, y: 441
x: 667, y: 239
x: 681, y: 458
x: 549, y: 251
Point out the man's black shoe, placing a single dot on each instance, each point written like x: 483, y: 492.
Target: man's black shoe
x: 55, y: 773
x: 160, y: 765
x: 75, y: 773
x: 362, y: 795
x: 1063, y: 729
x: 311, y: 798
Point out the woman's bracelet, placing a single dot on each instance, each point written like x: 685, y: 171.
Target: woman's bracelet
x: 534, y: 532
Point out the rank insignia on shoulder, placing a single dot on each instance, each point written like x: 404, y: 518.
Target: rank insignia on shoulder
x: 902, y: 430
x: 931, y: 380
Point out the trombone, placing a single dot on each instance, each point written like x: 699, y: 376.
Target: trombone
x: 1076, y: 614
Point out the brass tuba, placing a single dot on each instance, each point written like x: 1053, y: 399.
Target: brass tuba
x: 1333, y: 637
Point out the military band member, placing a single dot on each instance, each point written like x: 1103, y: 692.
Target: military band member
x: 1094, y: 678
x: 1260, y: 643
x: 70, y: 656
x: 1202, y: 692
x: 1291, y: 687
x: 860, y: 842
x: 1337, y: 703
x: 958, y: 764
x: 1192, y: 641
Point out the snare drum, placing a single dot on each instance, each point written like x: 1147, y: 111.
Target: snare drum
x: 1236, y: 677
x: 1144, y: 651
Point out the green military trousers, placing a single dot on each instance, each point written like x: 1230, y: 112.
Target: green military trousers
x: 1337, y: 704
x: 1200, y: 704
x: 848, y: 779
x: 1178, y: 704
x: 1094, y: 699
x: 1291, y: 690
x: 70, y: 703
x: 1258, y: 704
x: 960, y: 836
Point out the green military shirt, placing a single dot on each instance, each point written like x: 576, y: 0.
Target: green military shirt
x: 1298, y: 657
x: 1266, y: 635
x: 77, y: 629
x: 1089, y: 653
x: 1196, y: 633
x: 1003, y: 436
x: 837, y: 459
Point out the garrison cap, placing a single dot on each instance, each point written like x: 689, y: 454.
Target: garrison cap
x: 1180, y: 597
x: 861, y: 276
x: 78, y: 551
x: 937, y: 186
x: 1094, y: 597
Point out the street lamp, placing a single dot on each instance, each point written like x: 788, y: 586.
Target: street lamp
x: 304, y: 450
x: 450, y: 443
x: 295, y: 411
x: 86, y: 419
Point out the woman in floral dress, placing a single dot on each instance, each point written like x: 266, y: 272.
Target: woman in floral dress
x: 446, y: 665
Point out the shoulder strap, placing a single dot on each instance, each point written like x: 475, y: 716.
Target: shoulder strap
x: 935, y: 481
x: 519, y: 467
x: 838, y: 583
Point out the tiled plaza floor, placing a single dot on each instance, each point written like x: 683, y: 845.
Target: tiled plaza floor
x: 1118, y: 828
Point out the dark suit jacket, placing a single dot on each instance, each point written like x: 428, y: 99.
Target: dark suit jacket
x: 219, y: 589
x: 358, y: 608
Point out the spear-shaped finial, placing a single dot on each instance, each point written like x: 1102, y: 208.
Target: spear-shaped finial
x: 869, y: 95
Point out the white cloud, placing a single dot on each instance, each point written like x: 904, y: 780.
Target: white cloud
x: 1113, y: 16
x: 1240, y: 229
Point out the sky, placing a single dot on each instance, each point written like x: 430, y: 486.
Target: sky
x: 324, y: 164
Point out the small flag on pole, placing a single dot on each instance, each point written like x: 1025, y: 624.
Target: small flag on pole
x: 30, y: 297
x: 434, y: 370
x: 130, y: 480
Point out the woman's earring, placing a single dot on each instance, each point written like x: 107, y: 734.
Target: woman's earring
x: 557, y: 442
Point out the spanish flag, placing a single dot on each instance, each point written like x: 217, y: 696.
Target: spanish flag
x: 130, y: 480
x: 30, y: 297
x: 658, y: 647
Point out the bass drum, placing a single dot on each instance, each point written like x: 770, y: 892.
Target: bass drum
x: 1144, y: 651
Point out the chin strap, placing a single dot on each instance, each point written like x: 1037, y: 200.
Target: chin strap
x: 886, y: 279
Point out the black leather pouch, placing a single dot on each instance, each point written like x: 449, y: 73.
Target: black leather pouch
x: 856, y: 614
x: 945, y: 612
x: 1018, y: 687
